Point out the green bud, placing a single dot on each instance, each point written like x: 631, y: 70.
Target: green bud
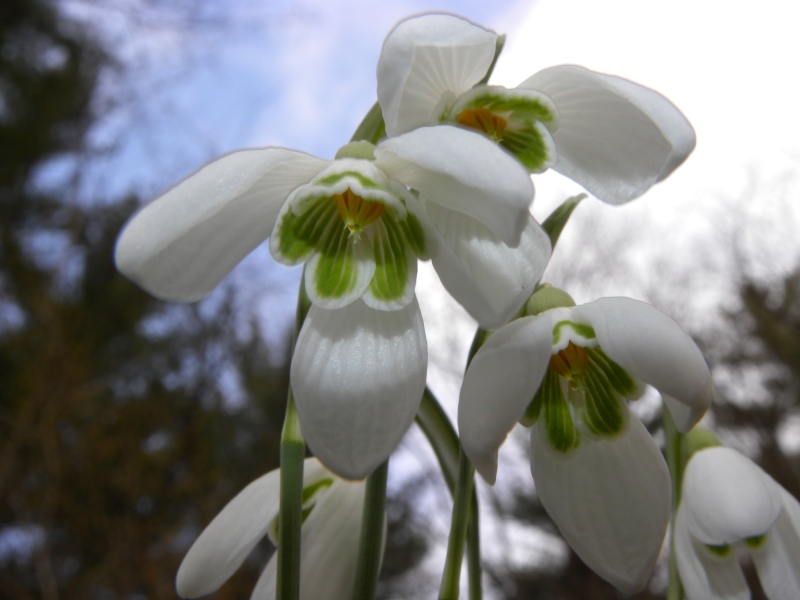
x: 698, y: 439
x: 359, y: 149
x: 546, y: 298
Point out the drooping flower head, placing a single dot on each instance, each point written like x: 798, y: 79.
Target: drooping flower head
x: 360, y: 223
x: 612, y: 136
x: 567, y: 372
x: 329, y: 534
x: 728, y: 500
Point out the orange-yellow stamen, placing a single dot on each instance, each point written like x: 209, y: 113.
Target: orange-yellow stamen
x: 356, y: 212
x: 570, y: 363
x: 483, y: 120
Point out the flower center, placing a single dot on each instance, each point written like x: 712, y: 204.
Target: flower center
x: 357, y: 213
x: 571, y: 364
x: 483, y: 120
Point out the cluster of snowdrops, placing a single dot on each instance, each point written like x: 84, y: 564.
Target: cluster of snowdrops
x: 441, y: 170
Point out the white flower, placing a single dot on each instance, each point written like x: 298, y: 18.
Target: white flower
x: 360, y: 222
x: 728, y: 499
x: 568, y: 371
x: 614, y: 137
x: 329, y: 537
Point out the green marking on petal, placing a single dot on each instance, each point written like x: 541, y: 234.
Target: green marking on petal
x: 561, y: 430
x: 618, y: 377
x: 391, y: 261
x: 299, y: 235
x: 334, y: 178
x: 534, y: 408
x: 602, y: 413
x: 310, y: 491
x: 722, y: 550
x: 529, y: 145
x: 335, y: 273
x: 515, y: 105
x: 413, y: 233
x: 756, y: 541
x: 583, y: 330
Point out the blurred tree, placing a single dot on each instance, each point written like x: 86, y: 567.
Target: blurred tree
x: 117, y: 441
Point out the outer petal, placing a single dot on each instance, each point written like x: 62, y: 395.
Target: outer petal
x: 358, y: 375
x: 489, y: 278
x: 234, y: 532
x: 610, y: 499
x: 778, y: 560
x: 465, y: 172
x: 706, y: 576
x: 328, y: 546
x: 425, y: 57
x: 653, y: 348
x: 727, y: 497
x: 499, y: 384
x: 616, y: 138
x: 181, y: 244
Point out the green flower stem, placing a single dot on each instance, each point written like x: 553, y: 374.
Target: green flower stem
x: 370, y: 544
x: 293, y: 451
x: 458, y: 529
x: 372, y: 128
x: 434, y: 423
x: 676, y: 464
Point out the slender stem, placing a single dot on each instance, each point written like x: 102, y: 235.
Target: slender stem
x: 675, y: 462
x: 458, y: 529
x: 290, y: 516
x: 371, y: 539
x: 293, y: 450
x: 474, y: 551
x: 433, y: 422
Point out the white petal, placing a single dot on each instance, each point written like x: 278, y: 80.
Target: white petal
x: 652, y: 347
x: 423, y: 58
x: 181, y: 244
x: 328, y: 546
x: 489, y: 278
x: 778, y: 560
x: 499, y: 384
x: 706, y: 576
x: 465, y: 172
x: 234, y: 532
x: 609, y: 498
x: 616, y: 138
x: 358, y: 375
x: 727, y: 497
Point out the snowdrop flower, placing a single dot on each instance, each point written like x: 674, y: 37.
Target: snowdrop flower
x: 567, y: 372
x: 728, y: 499
x: 612, y: 136
x: 359, y: 222
x: 329, y: 537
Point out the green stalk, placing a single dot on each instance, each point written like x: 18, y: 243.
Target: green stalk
x: 293, y: 450
x: 370, y: 544
x: 434, y: 423
x: 458, y: 529
x: 676, y: 464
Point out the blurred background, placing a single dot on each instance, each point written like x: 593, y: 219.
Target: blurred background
x: 127, y: 423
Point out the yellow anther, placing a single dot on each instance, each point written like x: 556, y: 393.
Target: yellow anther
x: 570, y: 363
x: 357, y: 213
x: 483, y: 120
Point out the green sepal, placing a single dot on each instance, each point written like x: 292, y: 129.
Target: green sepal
x: 603, y: 412
x: 554, y: 224
x: 619, y: 378
x: 560, y: 428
